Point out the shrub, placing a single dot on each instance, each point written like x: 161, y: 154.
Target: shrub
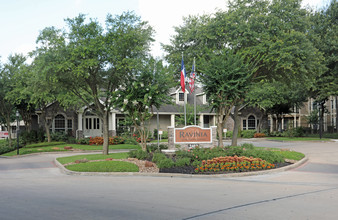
x: 83, y: 141
x: 294, y: 132
x: 59, y: 136
x: 153, y: 147
x: 229, y: 134
x: 139, y: 154
x: 259, y: 135
x: 157, y: 157
x: 5, y: 148
x: 165, y: 135
x: 166, y: 163
x: 182, y: 162
x: 248, y: 146
x: 248, y: 133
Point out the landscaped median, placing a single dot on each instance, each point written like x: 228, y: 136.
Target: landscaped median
x: 62, y: 146
x: 199, y: 161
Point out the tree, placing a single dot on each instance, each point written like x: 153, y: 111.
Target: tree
x: 90, y: 62
x: 277, y: 98
x: 179, y: 119
x: 325, y: 32
x: 277, y: 31
x: 225, y: 77
x: 7, y: 72
x: 146, y: 89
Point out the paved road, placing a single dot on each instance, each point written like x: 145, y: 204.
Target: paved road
x: 32, y: 187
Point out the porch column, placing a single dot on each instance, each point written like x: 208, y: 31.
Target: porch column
x: 282, y: 123
x: 112, y: 124
x: 113, y: 118
x: 79, y: 131
x: 202, y: 120
x: 271, y: 123
x: 172, y: 120
x: 79, y: 121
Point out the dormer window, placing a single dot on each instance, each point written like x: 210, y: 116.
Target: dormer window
x: 181, y: 97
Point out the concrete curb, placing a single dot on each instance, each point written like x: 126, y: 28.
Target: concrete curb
x: 229, y: 175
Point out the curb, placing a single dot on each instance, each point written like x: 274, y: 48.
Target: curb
x: 229, y: 175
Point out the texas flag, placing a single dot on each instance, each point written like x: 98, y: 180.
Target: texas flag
x: 183, y: 75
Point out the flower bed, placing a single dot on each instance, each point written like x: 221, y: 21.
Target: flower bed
x: 112, y: 140
x: 236, y: 164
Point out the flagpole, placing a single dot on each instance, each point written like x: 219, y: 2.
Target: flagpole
x: 185, y: 109
x: 194, y: 94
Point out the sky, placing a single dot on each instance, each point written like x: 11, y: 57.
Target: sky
x: 22, y: 20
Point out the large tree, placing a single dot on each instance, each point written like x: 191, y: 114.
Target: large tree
x: 277, y: 31
x: 147, y: 88
x: 91, y: 62
x: 13, y: 67
x: 225, y: 77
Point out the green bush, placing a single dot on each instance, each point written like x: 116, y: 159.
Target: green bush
x: 5, y: 148
x: 294, y: 132
x: 248, y: 146
x: 165, y: 135
x: 139, y: 154
x: 166, y: 163
x: 153, y: 147
x: 83, y: 141
x: 234, y: 150
x: 27, y: 137
x: 59, y: 136
x: 248, y: 133
x: 182, y: 162
x: 157, y: 157
x: 229, y: 134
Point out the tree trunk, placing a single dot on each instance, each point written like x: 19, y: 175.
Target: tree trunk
x: 8, y: 125
x: 49, y: 139
x: 105, y: 149
x: 236, y: 127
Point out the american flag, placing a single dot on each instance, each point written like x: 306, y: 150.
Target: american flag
x: 192, y: 79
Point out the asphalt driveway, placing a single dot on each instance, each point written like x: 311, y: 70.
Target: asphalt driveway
x: 32, y: 187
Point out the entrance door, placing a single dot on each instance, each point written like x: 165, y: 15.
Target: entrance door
x: 92, y: 126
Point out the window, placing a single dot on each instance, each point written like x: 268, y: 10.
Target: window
x: 244, y: 124
x: 60, y: 123
x: 251, y: 122
x: 181, y: 97
x: 96, y: 123
x: 88, y: 123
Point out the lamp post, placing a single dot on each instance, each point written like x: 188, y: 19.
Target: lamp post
x: 17, y: 132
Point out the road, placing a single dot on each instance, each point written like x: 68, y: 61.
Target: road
x: 32, y: 187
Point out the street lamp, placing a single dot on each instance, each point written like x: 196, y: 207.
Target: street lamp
x: 17, y: 131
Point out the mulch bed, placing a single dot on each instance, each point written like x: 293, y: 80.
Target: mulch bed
x: 191, y: 169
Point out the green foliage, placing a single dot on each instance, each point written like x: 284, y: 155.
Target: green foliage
x: 165, y: 163
x: 157, y: 157
x: 269, y: 156
x: 83, y: 141
x: 32, y: 136
x: 182, y: 162
x: 139, y: 154
x: 153, y: 147
x: 248, y: 133
x: 59, y: 136
x: 179, y: 119
x: 146, y: 89
x: 294, y: 132
x: 5, y: 147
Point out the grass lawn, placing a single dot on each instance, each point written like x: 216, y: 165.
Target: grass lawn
x: 60, y: 147
x: 65, y: 160
x: 104, y: 166
x: 297, y: 139
x: 161, y: 141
